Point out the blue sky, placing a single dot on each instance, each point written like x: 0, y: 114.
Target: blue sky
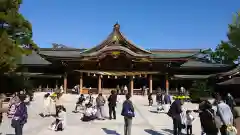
x: 162, y: 24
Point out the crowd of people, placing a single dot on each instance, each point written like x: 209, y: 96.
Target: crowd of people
x: 214, y: 117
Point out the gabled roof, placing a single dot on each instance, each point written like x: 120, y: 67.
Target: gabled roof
x: 33, y: 59
x: 116, y: 38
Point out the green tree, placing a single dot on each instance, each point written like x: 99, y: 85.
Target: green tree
x: 227, y: 52
x: 15, y: 34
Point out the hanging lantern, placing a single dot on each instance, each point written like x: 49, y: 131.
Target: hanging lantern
x: 108, y: 76
x: 88, y: 74
x: 140, y: 75
x: 115, y: 77
x: 125, y: 76
x: 133, y: 77
x: 94, y: 74
x: 101, y: 76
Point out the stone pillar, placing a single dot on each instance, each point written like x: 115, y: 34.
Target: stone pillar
x: 80, y: 83
x: 150, y: 84
x: 131, y: 86
x: 167, y: 84
x: 65, y: 83
x: 99, y: 90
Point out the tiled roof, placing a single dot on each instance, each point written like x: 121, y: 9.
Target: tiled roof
x: 33, y: 59
x: 195, y: 63
x: 172, y: 55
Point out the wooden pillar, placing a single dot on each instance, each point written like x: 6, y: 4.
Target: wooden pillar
x: 131, y: 86
x: 65, y: 83
x: 80, y: 83
x: 99, y: 90
x: 167, y: 84
x: 150, y: 84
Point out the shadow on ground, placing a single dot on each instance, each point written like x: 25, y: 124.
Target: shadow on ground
x: 110, y: 132
x: 156, y: 111
x: 152, y: 132
x: 170, y: 131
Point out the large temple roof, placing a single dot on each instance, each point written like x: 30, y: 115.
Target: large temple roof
x: 117, y: 41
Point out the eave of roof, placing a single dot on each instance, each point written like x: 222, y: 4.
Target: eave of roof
x: 193, y: 76
x: 232, y: 72
x: 33, y: 75
x: 232, y: 81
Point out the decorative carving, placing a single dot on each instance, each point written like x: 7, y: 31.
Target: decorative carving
x: 54, y: 45
x: 115, y: 54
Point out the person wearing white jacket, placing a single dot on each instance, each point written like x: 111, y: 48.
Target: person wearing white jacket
x: 47, y: 105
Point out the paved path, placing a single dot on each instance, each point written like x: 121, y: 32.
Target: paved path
x: 145, y: 122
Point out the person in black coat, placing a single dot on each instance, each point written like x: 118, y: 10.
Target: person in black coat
x: 112, y: 102
x: 174, y: 112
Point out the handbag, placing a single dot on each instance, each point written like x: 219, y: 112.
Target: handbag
x: 14, y: 123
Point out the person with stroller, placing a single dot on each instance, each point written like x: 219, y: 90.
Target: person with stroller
x: 60, y: 123
x: 79, y: 103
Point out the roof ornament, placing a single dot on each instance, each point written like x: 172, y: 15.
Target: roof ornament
x: 116, y: 26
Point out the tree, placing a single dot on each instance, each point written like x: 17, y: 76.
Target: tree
x: 15, y: 34
x: 227, y: 52
x: 234, y: 33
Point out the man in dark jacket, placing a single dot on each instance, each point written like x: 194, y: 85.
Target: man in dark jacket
x: 112, y: 101
x: 174, y: 112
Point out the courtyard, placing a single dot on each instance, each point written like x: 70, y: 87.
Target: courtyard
x: 145, y: 122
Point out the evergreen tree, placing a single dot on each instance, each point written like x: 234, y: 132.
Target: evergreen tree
x: 15, y: 34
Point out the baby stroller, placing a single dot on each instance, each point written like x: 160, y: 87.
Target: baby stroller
x: 90, y: 113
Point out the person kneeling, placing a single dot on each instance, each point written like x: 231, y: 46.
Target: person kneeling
x: 60, y: 123
x: 89, y: 114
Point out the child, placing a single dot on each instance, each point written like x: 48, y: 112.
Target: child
x: 189, y: 120
x: 60, y: 123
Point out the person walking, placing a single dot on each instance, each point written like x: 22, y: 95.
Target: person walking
x: 207, y: 118
x: 20, y: 116
x: 112, y: 102
x: 100, y: 101
x: 224, y: 113
x: 58, y: 102
x: 128, y: 114
x: 46, y: 105
x: 175, y: 113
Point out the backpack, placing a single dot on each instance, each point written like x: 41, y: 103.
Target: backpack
x: 127, y: 111
x: 167, y: 99
x: 209, y: 122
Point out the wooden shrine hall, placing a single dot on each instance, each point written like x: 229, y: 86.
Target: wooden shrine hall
x: 116, y: 61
